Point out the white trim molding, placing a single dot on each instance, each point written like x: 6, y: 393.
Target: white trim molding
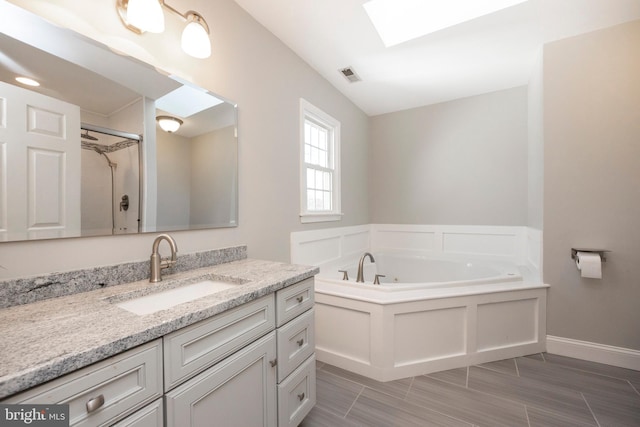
x: 594, y: 352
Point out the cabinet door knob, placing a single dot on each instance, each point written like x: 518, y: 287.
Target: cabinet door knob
x: 300, y: 298
x: 95, y: 403
x: 273, y: 362
x: 301, y: 397
x: 300, y: 342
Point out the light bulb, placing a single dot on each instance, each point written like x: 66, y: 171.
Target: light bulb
x: 195, y: 38
x: 146, y: 15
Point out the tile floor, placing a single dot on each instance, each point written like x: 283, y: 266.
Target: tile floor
x: 533, y: 391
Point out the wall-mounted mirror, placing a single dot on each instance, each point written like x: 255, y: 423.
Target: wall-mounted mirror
x: 83, y: 155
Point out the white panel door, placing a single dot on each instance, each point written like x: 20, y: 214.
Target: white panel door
x: 40, y: 161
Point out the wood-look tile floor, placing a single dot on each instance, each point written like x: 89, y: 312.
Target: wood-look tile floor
x: 532, y: 391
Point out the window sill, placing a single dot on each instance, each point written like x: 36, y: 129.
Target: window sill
x: 320, y: 217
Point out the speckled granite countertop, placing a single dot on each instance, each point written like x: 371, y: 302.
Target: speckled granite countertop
x: 43, y: 340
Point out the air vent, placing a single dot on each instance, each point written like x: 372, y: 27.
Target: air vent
x: 350, y: 75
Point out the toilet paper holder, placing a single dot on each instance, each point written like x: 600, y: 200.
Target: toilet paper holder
x: 601, y: 252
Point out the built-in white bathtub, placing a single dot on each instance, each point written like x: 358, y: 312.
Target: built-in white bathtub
x: 483, y: 299
x: 404, y: 271
x: 427, y: 315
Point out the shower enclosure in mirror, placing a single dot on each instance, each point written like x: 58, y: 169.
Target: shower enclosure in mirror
x: 82, y: 155
x: 110, y: 181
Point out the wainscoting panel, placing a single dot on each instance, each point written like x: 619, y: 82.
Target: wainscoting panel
x: 507, y: 323
x: 429, y: 335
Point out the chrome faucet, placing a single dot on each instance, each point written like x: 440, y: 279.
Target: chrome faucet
x: 157, y: 263
x: 360, y: 278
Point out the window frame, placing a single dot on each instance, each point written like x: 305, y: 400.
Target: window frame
x: 312, y: 113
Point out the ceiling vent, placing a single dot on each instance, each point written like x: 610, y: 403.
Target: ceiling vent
x: 350, y: 75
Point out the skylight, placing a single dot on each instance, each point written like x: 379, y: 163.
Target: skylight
x: 186, y: 101
x: 398, y: 21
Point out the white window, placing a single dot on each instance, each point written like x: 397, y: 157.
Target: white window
x: 320, y: 165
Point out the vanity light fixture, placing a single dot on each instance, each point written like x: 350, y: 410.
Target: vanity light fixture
x: 147, y: 15
x: 168, y: 123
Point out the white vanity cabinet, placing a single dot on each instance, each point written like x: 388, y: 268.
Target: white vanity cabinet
x: 296, y: 353
x: 253, y: 365
x: 195, y: 348
x: 106, y: 391
x: 229, y: 370
x: 268, y: 382
x: 239, y: 391
x: 151, y: 415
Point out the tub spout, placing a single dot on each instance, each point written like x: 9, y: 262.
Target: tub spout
x: 360, y: 278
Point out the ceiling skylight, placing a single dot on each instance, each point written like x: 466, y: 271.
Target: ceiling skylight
x: 186, y: 101
x: 398, y: 21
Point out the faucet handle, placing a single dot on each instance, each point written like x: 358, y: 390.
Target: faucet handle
x: 376, y: 281
x: 167, y: 262
x: 345, y: 274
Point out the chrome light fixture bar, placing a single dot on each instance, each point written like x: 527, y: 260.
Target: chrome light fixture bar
x: 141, y: 16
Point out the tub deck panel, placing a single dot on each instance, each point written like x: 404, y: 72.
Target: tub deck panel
x: 520, y: 327
x: 427, y: 335
x: 388, y: 335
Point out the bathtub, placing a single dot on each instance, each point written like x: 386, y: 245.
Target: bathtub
x: 428, y: 314
x: 404, y: 272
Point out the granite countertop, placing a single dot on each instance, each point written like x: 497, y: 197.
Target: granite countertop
x: 43, y: 340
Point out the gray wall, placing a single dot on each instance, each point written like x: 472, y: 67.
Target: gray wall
x: 535, y: 151
x: 214, y: 177
x: 459, y: 162
x: 250, y: 66
x: 174, y: 181
x: 592, y: 183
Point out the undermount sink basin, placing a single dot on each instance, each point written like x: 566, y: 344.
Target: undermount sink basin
x: 166, y: 299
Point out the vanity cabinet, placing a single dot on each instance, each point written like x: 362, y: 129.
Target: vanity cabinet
x: 191, y: 350
x: 270, y: 382
x: 253, y: 365
x: 106, y: 391
x: 296, y: 353
x: 239, y: 391
x: 151, y: 415
x: 238, y: 384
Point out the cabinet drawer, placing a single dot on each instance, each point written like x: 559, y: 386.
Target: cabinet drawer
x: 297, y: 394
x: 193, y: 349
x: 296, y: 342
x: 151, y: 415
x: 123, y: 383
x: 294, y: 300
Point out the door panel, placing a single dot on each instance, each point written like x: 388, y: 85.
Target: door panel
x: 40, y: 161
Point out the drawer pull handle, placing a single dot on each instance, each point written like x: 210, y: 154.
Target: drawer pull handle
x: 300, y: 298
x: 300, y: 342
x: 273, y: 363
x: 301, y: 397
x: 95, y: 403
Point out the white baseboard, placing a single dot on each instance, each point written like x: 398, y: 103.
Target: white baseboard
x: 594, y: 352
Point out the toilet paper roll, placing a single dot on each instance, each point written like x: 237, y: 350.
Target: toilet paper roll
x: 589, y: 264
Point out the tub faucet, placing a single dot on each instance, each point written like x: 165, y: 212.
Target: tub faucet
x: 360, y: 278
x: 157, y: 264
